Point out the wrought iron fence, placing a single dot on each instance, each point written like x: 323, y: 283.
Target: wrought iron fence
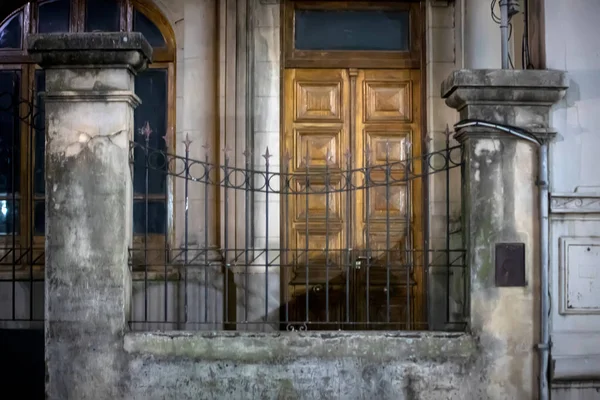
x: 247, y: 245
x: 21, y: 205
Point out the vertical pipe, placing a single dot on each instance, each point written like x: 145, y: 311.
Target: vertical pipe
x: 16, y: 122
x: 186, y: 233
x: 284, y: 240
x: 348, y: 232
x: 166, y: 243
x: 267, y: 183
x: 327, y: 182
x: 525, y: 52
x: 350, y: 216
x: 33, y: 130
x: 250, y: 114
x: 146, y: 236
x: 504, y: 32
x: 366, y: 188
x: 409, y: 256
x: 544, y: 298
x: 387, y: 231
x: 247, y: 233
x: 207, y: 183
x: 306, y: 246
x: 30, y: 161
x: 448, y: 262
x: 226, y: 236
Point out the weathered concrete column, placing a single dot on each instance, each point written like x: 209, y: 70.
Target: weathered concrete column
x: 500, y: 199
x: 90, y: 102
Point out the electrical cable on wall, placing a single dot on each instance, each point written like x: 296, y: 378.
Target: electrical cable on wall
x: 525, y: 53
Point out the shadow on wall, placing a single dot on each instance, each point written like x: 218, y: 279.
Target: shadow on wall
x: 22, y: 362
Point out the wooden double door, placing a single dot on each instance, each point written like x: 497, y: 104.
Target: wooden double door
x: 352, y: 221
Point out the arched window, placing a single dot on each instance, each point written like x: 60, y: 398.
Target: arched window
x: 22, y: 122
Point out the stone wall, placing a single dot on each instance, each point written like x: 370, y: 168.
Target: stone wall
x: 306, y: 366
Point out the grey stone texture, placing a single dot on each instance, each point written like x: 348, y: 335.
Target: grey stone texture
x: 500, y: 200
x: 516, y: 97
x: 90, y: 49
x: 303, y: 365
x: 89, y: 122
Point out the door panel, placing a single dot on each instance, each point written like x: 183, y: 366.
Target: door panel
x: 388, y: 214
x: 316, y: 132
x: 348, y: 236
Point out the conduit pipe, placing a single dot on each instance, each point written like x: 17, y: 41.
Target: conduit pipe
x: 544, y: 345
x: 504, y: 32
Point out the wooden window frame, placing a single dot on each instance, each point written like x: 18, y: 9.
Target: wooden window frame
x: 293, y: 58
x: 18, y: 59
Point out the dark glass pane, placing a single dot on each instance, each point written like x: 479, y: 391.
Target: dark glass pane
x: 9, y: 217
x: 39, y: 218
x: 39, y: 126
x: 156, y: 217
x: 54, y: 16
x: 102, y: 16
x: 351, y: 30
x: 10, y: 32
x: 142, y: 24
x: 151, y: 87
x: 10, y: 131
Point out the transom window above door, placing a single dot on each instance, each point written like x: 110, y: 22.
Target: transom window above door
x: 352, y: 34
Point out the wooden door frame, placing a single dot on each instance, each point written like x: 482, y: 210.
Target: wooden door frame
x: 416, y: 60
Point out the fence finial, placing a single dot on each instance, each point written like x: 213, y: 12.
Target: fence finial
x: 168, y: 137
x: 187, y: 142
x: 348, y: 155
x: 227, y: 151
x: 329, y: 157
x: 146, y: 131
x: 306, y: 157
x: 407, y: 146
x: 267, y: 155
x: 387, y: 150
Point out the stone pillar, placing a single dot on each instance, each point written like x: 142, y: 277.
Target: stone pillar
x: 481, y: 35
x: 200, y: 114
x: 500, y: 199
x: 90, y: 102
x: 204, y: 285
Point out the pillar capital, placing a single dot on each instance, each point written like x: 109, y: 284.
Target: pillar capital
x: 90, y: 50
x: 515, y: 97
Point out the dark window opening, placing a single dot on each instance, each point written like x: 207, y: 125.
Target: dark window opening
x: 11, y: 32
x: 352, y: 30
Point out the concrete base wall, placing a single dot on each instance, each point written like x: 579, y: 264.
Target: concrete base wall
x: 308, y: 366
